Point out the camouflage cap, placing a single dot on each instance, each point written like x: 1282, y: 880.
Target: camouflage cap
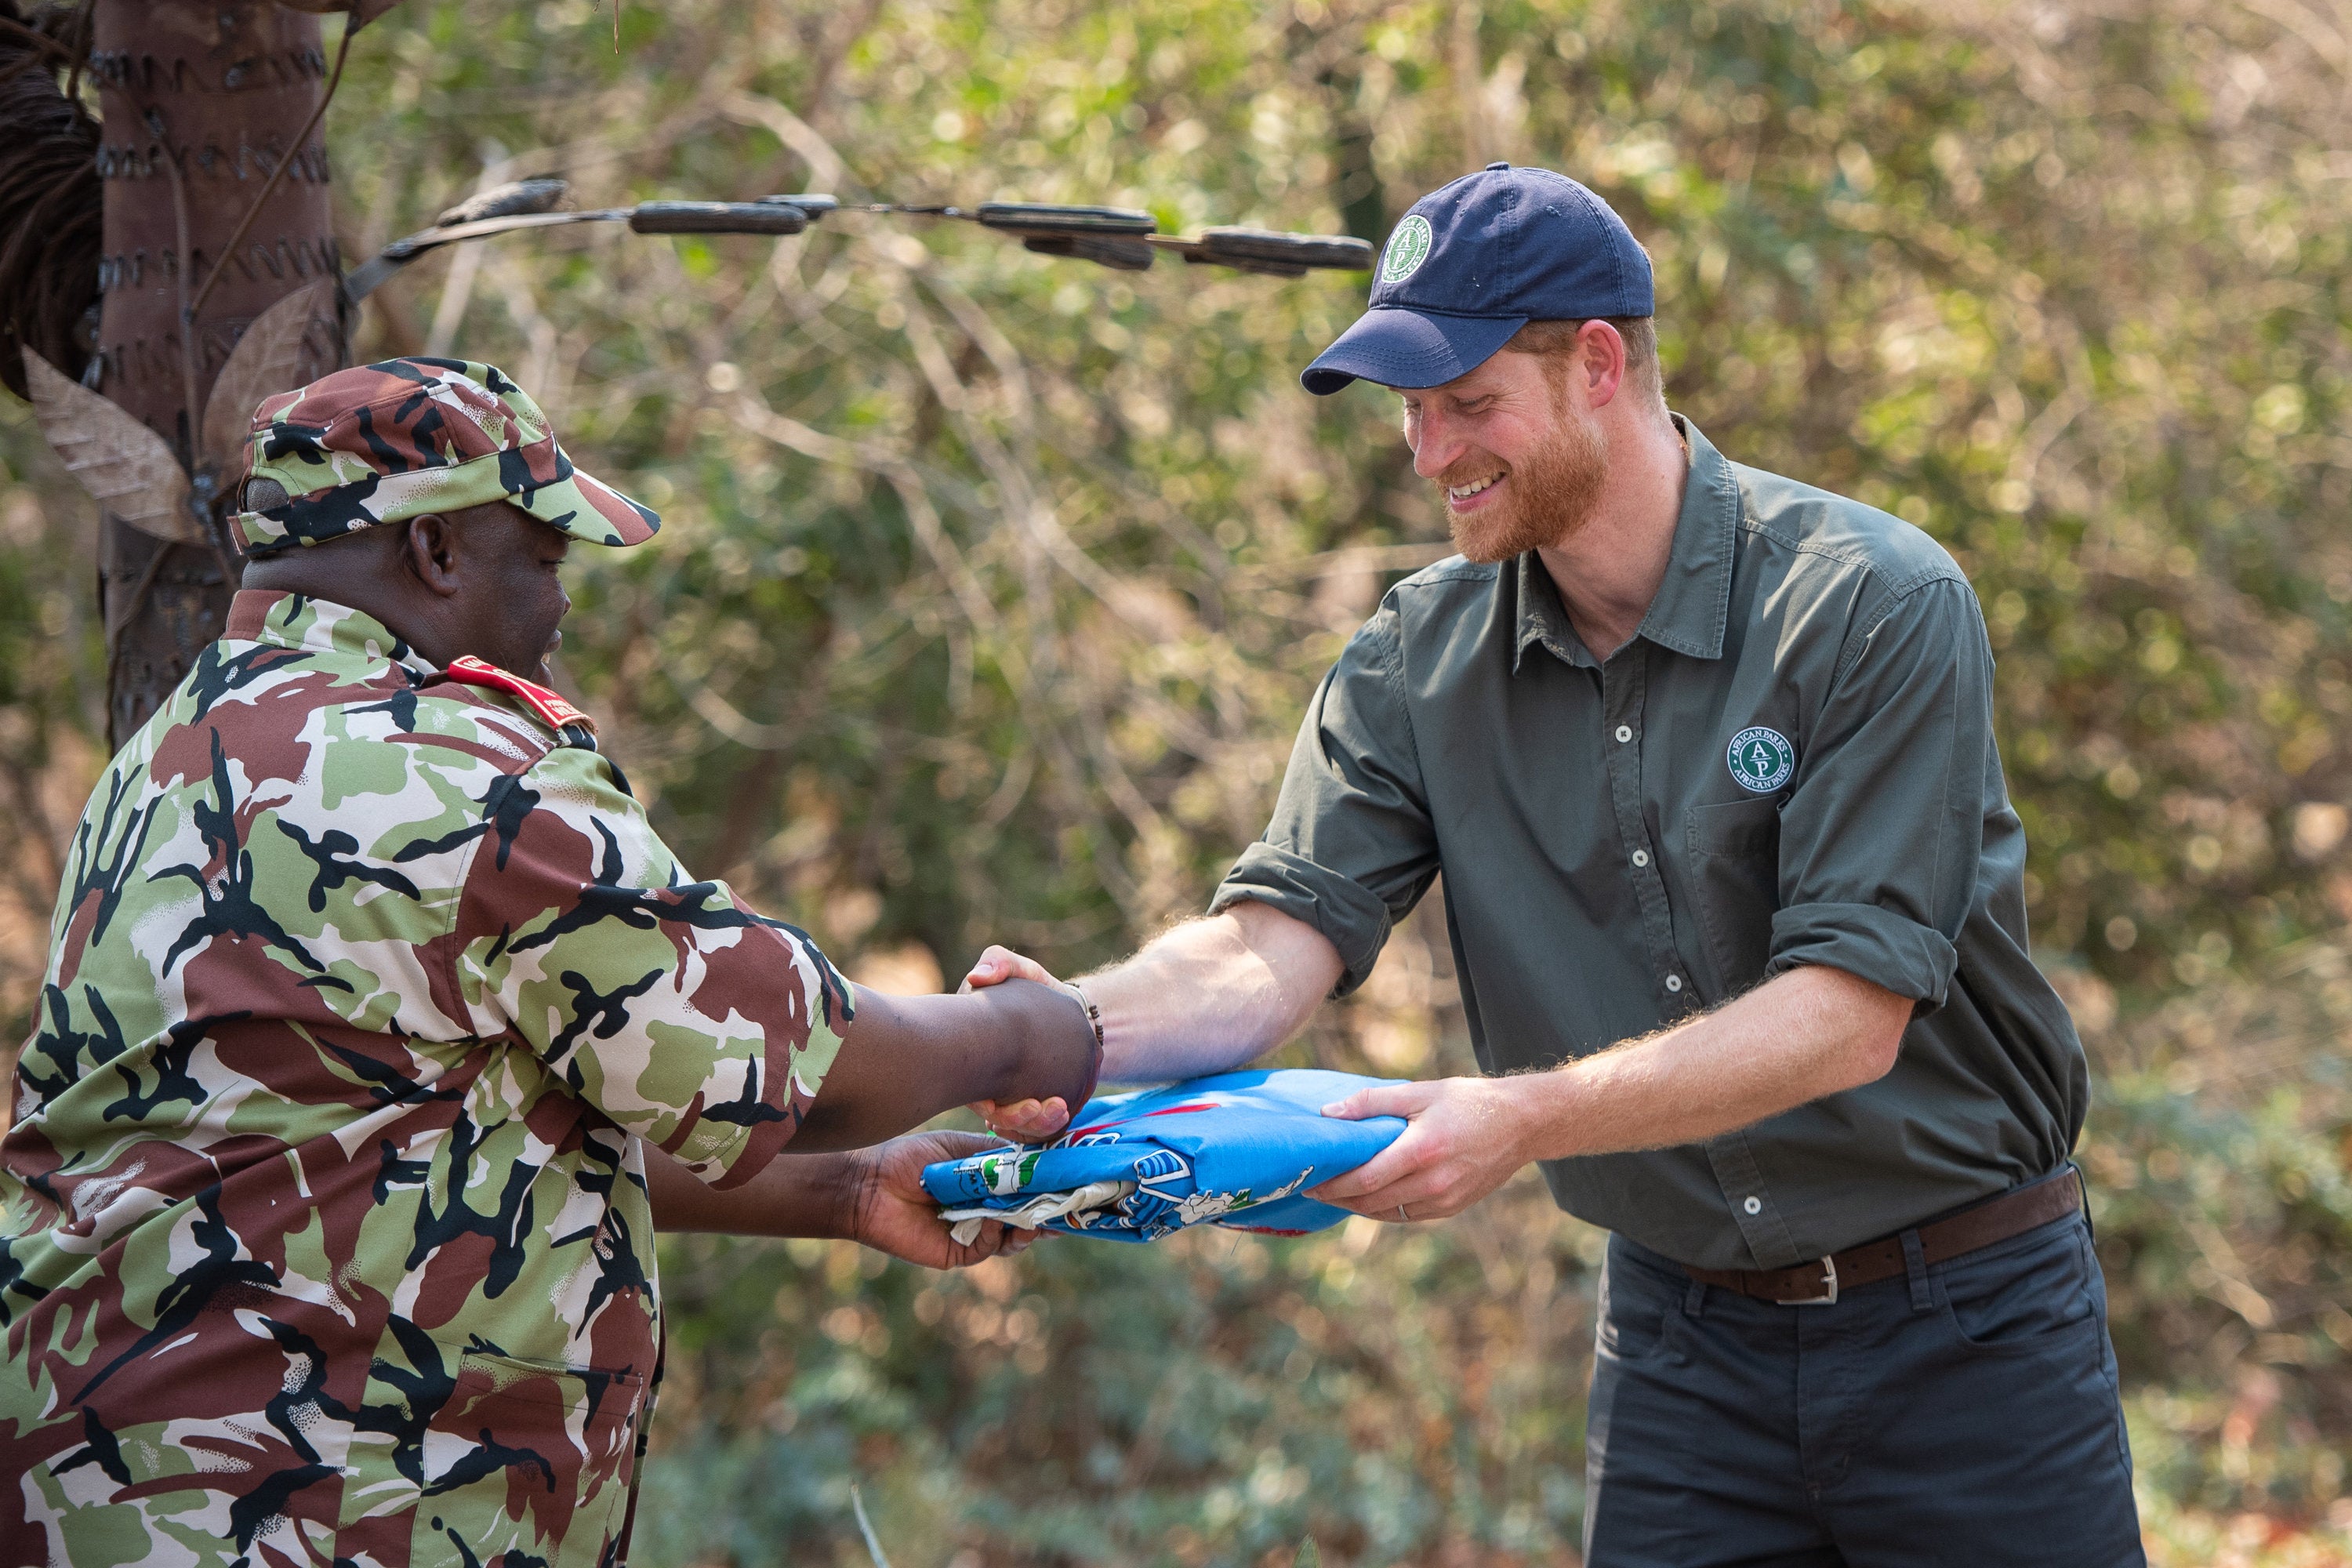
x: 379, y: 443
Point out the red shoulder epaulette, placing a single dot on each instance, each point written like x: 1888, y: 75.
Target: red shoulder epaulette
x: 550, y: 706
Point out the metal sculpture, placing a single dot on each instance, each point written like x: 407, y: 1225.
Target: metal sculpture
x: 217, y: 280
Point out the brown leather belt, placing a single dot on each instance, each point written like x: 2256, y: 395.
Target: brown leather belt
x: 1817, y: 1284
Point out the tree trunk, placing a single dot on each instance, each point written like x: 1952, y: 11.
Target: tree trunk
x: 200, y: 100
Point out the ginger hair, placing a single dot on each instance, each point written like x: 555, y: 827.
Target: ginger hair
x: 1556, y: 341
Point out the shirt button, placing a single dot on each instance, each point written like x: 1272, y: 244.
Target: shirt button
x: 1624, y: 734
x: 1673, y: 982
x: 1754, y: 1205
x: 1641, y: 856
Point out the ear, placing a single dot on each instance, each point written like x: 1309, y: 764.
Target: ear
x: 1603, y: 370
x: 430, y: 553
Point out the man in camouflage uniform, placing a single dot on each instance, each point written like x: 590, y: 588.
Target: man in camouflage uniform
x: 380, y: 1031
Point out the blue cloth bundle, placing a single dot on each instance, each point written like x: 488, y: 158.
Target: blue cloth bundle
x: 1235, y: 1150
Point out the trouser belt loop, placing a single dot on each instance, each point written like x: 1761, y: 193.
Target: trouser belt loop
x: 1915, y: 1265
x: 2084, y: 1183
x: 1694, y: 1300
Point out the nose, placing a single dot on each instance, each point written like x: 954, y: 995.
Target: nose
x: 1437, y: 446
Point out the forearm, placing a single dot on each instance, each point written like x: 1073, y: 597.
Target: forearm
x: 795, y: 1195
x: 1211, y: 995
x: 872, y: 1196
x: 1803, y: 1035
x: 907, y: 1058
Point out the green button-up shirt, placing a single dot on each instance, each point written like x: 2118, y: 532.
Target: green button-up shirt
x: 1792, y: 762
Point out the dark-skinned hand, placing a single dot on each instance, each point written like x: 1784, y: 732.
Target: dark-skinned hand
x: 888, y: 1210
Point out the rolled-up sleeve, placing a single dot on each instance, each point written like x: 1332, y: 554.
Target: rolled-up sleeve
x: 1881, y: 837
x: 1350, y: 850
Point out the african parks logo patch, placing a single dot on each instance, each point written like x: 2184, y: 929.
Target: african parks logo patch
x: 1761, y: 760
x: 1408, y: 249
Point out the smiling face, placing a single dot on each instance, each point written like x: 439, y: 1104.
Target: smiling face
x: 1519, y: 462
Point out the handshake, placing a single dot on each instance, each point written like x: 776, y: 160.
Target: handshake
x: 1019, y: 1047
x: 1026, y: 1051
x: 1029, y: 1118
x: 1014, y: 1038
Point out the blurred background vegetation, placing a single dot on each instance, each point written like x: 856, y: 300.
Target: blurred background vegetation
x: 993, y: 586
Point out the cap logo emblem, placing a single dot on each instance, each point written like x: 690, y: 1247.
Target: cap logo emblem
x: 1408, y: 249
x: 1761, y: 760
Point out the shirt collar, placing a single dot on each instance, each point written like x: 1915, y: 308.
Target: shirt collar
x: 1688, y: 613
x: 1543, y: 619
x: 298, y: 620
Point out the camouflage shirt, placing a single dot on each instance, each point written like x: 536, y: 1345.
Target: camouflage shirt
x: 324, y: 1233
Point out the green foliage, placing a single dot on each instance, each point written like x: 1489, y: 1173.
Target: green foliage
x: 52, y: 690
x: 1211, y: 1398
x: 993, y: 584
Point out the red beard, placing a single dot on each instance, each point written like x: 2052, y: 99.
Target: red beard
x: 1546, y: 499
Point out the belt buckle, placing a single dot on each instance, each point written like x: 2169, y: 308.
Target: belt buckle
x: 1828, y: 1298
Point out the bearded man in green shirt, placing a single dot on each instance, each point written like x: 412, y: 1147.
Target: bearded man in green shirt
x: 1736, y: 898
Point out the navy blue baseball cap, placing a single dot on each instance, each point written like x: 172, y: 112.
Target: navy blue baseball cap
x: 1472, y: 264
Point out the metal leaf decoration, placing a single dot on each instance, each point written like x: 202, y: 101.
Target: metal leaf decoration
x: 717, y: 217
x: 123, y: 463
x: 363, y: 280
x: 536, y: 195
x: 1124, y: 237
x: 268, y: 359
x: 1127, y: 255
x: 1275, y: 254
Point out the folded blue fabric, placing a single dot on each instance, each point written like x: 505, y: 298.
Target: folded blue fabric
x: 1235, y: 1150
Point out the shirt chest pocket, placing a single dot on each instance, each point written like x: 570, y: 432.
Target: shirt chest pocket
x: 1734, y: 851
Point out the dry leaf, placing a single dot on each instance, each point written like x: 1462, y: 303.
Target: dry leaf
x: 119, y: 461
x: 267, y: 360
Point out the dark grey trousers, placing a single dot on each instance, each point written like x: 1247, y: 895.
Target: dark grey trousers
x: 1965, y: 1415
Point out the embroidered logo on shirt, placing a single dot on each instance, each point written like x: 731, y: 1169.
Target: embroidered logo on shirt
x: 1761, y: 760
x: 1408, y: 249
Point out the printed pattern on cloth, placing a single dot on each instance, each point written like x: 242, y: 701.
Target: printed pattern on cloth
x: 379, y: 443
x: 1235, y: 1149
x: 324, y: 1233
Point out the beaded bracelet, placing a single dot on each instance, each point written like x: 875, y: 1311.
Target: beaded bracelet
x: 1094, y: 1013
